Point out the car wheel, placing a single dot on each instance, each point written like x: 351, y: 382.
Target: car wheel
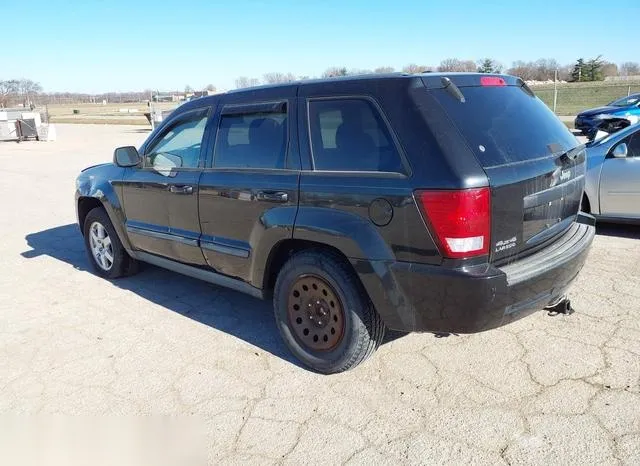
x: 106, y: 253
x: 323, y: 313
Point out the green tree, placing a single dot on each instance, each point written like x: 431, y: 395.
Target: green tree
x: 577, y: 74
x: 489, y: 65
x: 593, y: 69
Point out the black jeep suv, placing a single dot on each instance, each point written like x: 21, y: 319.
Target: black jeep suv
x: 436, y: 202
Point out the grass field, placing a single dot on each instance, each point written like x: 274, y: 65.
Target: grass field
x: 572, y: 98
x: 104, y: 114
x: 575, y: 97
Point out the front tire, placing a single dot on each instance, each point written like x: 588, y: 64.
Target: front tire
x: 323, y: 313
x: 104, y: 249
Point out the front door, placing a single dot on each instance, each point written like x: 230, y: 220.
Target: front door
x: 249, y: 195
x: 161, y: 197
x: 620, y: 182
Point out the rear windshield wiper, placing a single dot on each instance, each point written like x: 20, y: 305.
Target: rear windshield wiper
x: 525, y: 87
x: 452, y: 89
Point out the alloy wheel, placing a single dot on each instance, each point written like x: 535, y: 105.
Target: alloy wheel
x: 101, y: 247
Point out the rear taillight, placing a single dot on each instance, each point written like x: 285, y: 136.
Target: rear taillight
x: 460, y: 219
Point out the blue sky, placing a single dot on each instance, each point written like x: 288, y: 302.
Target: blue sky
x: 103, y: 45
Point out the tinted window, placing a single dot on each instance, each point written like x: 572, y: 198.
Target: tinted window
x: 504, y: 124
x: 179, y: 145
x: 350, y: 135
x: 626, y: 101
x: 251, y: 140
x: 634, y: 145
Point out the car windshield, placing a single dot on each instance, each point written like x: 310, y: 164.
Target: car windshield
x: 626, y: 101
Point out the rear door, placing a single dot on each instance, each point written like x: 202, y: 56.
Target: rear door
x: 535, y: 166
x: 161, y: 197
x: 620, y: 181
x: 249, y: 190
x: 356, y: 177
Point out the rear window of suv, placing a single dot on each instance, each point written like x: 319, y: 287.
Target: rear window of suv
x: 504, y: 124
x: 351, y: 135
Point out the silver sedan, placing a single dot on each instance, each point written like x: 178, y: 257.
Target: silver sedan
x: 612, y: 189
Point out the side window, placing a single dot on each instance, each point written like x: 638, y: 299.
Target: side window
x: 257, y: 139
x: 634, y: 145
x: 179, y: 145
x: 350, y: 135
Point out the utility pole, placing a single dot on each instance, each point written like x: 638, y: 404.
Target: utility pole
x: 555, y: 91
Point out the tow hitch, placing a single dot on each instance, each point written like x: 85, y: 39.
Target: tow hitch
x: 562, y: 306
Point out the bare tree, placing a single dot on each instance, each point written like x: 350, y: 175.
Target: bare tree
x: 564, y: 72
x: 412, y: 68
x: 630, y: 68
x: 543, y: 69
x: 384, y: 69
x: 454, y: 64
x: 27, y: 87
x: 358, y: 71
x: 210, y: 87
x: 609, y: 69
x: 523, y: 70
x: 8, y: 90
x: 18, y: 90
x: 277, y: 77
x: 335, y: 71
x: 188, y: 89
x: 243, y: 81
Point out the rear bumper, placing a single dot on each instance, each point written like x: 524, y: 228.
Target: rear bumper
x: 420, y: 297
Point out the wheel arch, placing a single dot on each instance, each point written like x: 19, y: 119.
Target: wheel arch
x: 283, y: 250
x: 85, y: 205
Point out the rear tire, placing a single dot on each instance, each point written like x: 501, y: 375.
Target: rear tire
x: 104, y: 249
x: 323, y: 313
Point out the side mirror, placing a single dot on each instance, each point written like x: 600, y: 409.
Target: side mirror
x: 620, y: 151
x: 126, y: 156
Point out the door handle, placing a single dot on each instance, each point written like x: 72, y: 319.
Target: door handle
x: 178, y: 189
x: 272, y: 196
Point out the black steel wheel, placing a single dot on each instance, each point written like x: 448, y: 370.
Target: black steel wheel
x: 315, y: 312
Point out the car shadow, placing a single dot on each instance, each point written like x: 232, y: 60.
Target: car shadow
x: 234, y: 313
x: 620, y: 230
